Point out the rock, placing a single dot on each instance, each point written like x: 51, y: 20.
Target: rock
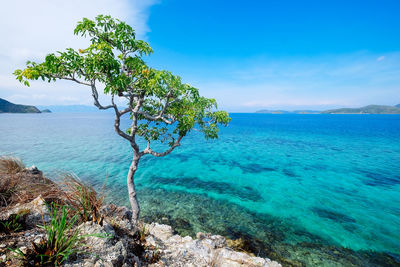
x: 36, y: 212
x: 115, y: 243
x: 23, y: 249
x: 119, y: 217
x: 102, y: 249
x: 33, y: 170
x: 206, y: 250
x: 120, y: 213
x: 160, y: 231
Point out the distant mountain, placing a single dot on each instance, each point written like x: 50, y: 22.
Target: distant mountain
x: 70, y: 108
x: 266, y: 111
x: 371, y: 109
x: 8, y: 107
x: 397, y: 106
x: 46, y: 111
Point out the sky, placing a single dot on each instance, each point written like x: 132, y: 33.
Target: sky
x: 248, y: 55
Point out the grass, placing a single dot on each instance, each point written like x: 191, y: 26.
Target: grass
x: 61, y: 240
x: 83, y: 199
x: 12, y: 224
x: 11, y: 165
x: 18, y: 186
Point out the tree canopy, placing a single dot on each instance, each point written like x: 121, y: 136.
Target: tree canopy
x: 162, y: 108
x: 165, y: 107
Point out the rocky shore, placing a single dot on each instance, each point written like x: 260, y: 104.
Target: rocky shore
x: 109, y: 241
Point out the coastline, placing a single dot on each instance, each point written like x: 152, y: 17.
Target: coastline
x: 110, y: 241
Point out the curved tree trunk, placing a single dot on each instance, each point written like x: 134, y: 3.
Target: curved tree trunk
x: 131, y: 188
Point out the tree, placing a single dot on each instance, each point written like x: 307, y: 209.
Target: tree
x: 162, y: 109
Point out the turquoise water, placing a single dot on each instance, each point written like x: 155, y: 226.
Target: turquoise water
x: 290, y: 180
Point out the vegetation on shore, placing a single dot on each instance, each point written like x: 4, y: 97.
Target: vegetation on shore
x: 69, y: 203
x: 371, y: 109
x: 8, y: 107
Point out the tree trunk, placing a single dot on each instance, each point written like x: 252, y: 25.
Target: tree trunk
x: 131, y: 188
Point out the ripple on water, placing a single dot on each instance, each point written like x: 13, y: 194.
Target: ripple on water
x: 261, y: 234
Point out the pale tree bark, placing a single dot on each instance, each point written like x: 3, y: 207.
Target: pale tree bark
x: 135, y: 103
x: 130, y: 180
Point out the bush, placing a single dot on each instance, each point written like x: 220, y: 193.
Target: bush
x: 83, y: 199
x: 61, y: 240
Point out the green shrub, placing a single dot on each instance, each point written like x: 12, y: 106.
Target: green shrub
x: 12, y: 224
x: 61, y: 240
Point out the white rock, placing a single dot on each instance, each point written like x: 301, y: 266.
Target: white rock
x: 38, y: 212
x: 161, y: 231
x: 206, y: 250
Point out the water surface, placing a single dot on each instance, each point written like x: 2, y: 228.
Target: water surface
x: 300, y: 184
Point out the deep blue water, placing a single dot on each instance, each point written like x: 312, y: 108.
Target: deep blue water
x: 332, y: 179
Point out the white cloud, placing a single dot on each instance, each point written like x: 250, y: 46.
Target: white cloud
x: 31, y: 29
x: 312, y: 83
x: 380, y: 58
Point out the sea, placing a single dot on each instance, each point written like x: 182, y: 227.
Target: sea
x: 302, y: 189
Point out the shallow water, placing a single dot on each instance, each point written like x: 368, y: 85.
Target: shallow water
x: 293, y: 181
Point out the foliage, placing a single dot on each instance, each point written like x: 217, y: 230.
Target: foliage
x: 83, y: 199
x: 8, y: 107
x: 12, y: 224
x: 162, y: 108
x: 166, y: 107
x: 371, y: 109
x: 61, y: 240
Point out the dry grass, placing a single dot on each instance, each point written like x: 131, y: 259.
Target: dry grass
x: 83, y: 199
x: 11, y: 165
x: 7, y: 189
x: 19, y: 186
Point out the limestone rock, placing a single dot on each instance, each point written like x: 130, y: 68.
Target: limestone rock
x: 101, y: 247
x: 206, y: 250
x: 36, y: 212
x: 33, y: 170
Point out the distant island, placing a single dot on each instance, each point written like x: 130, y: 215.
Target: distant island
x: 370, y: 109
x: 8, y: 107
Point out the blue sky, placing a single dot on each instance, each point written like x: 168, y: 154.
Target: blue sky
x: 251, y: 55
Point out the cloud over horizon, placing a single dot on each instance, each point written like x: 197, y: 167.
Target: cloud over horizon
x: 318, y: 82
x: 32, y: 29
x: 240, y: 81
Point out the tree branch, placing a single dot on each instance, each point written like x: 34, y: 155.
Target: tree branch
x: 160, y: 115
x: 148, y: 150
x: 117, y: 121
x: 95, y: 95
